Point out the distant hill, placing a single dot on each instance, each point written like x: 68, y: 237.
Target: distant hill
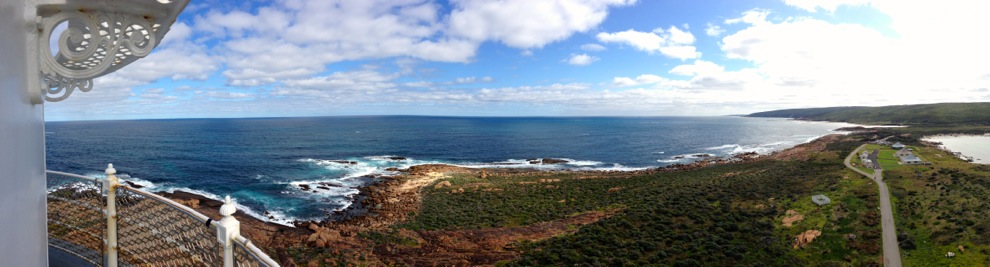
x: 925, y: 114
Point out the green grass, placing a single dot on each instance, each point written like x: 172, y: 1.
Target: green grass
x: 886, y: 157
x: 859, y: 165
x: 942, y: 206
x: 926, y: 114
x: 729, y: 214
x: 852, y: 198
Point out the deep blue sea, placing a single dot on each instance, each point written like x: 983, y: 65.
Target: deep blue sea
x: 262, y: 162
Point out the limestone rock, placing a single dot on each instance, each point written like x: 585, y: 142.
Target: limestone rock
x: 442, y: 184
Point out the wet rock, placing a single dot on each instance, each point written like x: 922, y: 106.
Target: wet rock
x: 554, y: 161
x: 133, y: 185
x: 330, y: 184
x: 397, y: 158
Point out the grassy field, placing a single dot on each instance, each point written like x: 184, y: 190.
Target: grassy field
x: 941, y: 207
x: 856, y: 162
x: 850, y: 224
x: 886, y: 157
x: 723, y: 215
x: 728, y: 214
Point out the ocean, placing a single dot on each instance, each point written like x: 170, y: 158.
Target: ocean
x: 975, y: 146
x: 263, y: 161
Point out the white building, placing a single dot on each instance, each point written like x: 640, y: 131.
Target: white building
x: 911, y: 159
x: 821, y: 200
x: 897, y: 145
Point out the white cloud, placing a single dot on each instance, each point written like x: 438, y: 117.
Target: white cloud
x: 827, y: 5
x: 753, y: 16
x: 471, y: 79
x: 297, y: 39
x: 526, y: 24
x: 814, y: 62
x: 364, y: 81
x: 639, y: 80
x: 714, y: 30
x: 229, y: 95
x: 592, y: 47
x: 581, y: 59
x: 672, y: 42
x: 645, y: 41
x: 699, y: 67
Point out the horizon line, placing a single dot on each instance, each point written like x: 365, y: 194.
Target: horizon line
x: 435, y: 116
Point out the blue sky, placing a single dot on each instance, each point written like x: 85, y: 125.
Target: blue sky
x: 545, y: 58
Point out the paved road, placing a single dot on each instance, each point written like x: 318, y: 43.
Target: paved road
x: 891, y: 252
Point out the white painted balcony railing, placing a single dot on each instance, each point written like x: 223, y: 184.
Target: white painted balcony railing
x: 108, y: 223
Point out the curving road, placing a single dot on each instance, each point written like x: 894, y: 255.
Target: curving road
x: 891, y: 252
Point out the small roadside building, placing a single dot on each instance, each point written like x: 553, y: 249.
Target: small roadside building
x: 902, y: 153
x: 868, y: 163
x: 821, y: 200
x: 910, y: 159
x: 897, y: 145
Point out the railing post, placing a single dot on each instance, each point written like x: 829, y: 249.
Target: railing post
x: 229, y: 229
x: 110, y: 186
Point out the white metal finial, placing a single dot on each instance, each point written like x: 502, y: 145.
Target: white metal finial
x: 110, y: 169
x: 227, y: 230
x: 228, y: 208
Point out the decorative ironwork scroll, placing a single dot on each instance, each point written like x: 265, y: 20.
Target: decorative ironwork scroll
x: 98, y: 37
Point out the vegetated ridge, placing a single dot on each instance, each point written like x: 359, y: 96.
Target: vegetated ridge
x: 923, y: 114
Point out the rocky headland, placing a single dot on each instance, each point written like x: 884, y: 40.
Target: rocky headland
x: 392, y: 199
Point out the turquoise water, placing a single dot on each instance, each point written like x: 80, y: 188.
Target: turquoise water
x: 263, y: 162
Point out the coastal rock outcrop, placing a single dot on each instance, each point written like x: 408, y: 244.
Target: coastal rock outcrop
x: 803, y: 239
x: 322, y: 236
x: 435, y: 168
x: 554, y: 161
x: 442, y: 184
x: 791, y: 217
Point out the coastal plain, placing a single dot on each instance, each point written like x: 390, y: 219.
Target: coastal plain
x: 750, y: 210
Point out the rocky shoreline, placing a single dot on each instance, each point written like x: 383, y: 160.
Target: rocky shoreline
x: 389, y: 200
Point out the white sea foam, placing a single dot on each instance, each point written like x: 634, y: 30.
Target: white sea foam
x: 145, y: 184
x: 733, y: 149
x: 571, y: 164
x: 76, y: 187
x: 575, y: 162
x: 277, y: 216
x: 615, y: 167
x: 386, y: 158
x: 723, y: 147
x: 331, y: 190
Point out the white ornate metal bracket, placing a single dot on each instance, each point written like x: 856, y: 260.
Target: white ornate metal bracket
x: 101, y: 37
